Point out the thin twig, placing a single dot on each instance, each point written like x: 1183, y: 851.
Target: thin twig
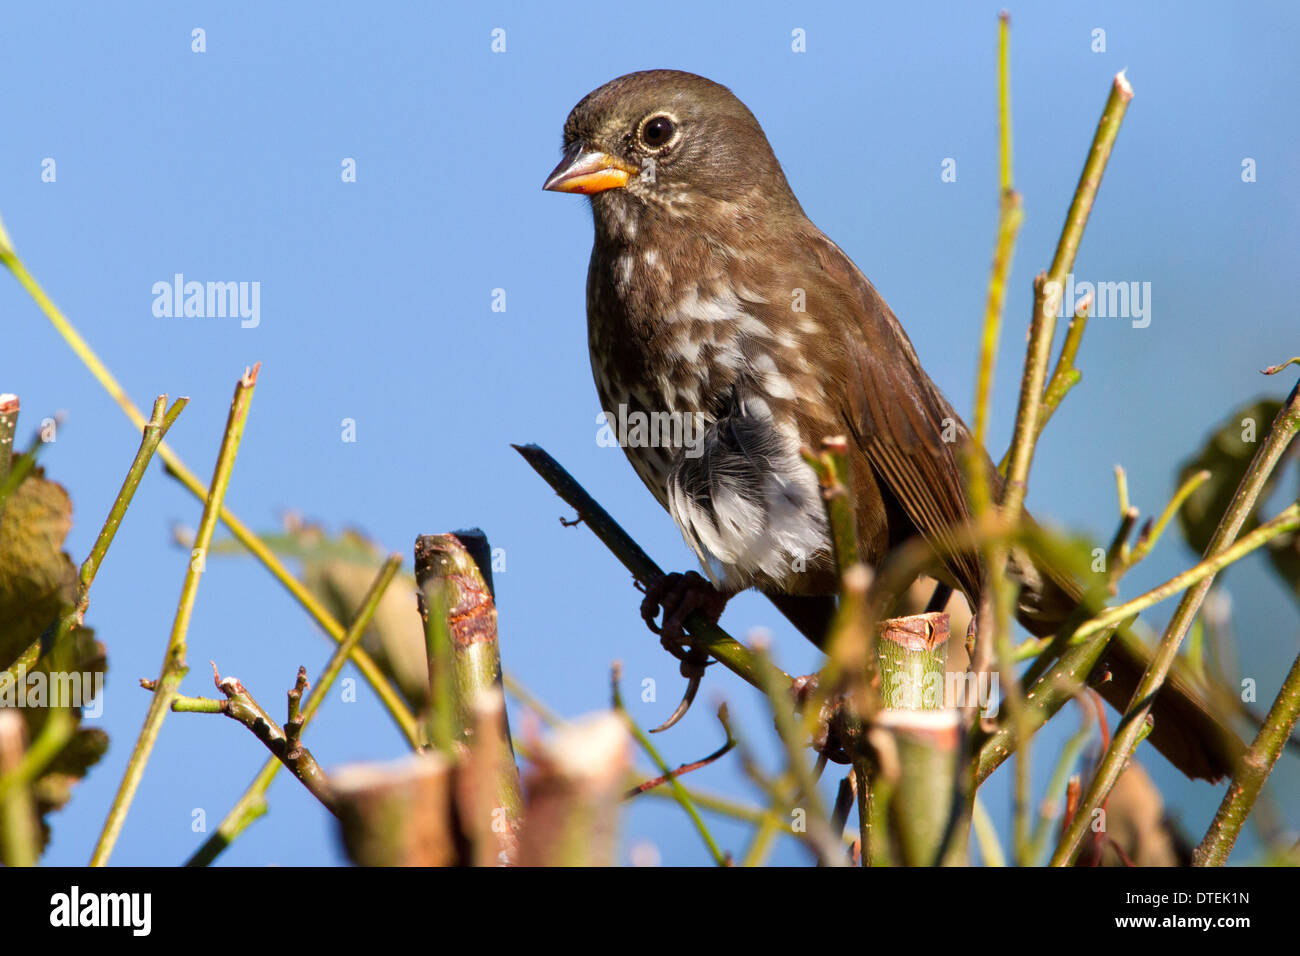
x: 177, y: 468
x: 1070, y: 754
x: 1285, y: 521
x: 241, y: 706
x: 1150, y: 535
x: 252, y: 804
x: 679, y: 792
x: 1010, y: 216
x: 160, y: 422
x: 519, y: 692
x: 682, y: 770
x: 1131, y: 728
x: 174, y: 667
x: 1255, y: 767
x: 789, y: 729
x: 1048, y: 289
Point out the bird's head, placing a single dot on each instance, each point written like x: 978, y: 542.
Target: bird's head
x: 672, y: 142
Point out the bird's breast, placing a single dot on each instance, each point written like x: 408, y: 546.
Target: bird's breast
x: 684, y: 354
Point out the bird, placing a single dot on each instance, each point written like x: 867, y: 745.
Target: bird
x: 714, y: 303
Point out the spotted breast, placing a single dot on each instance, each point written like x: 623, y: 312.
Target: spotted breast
x: 682, y: 348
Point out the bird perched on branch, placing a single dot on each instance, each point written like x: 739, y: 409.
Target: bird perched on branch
x: 712, y: 297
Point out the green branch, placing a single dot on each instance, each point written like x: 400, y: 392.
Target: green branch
x: 1049, y: 288
x: 1284, y: 522
x: 1127, y: 735
x: 1256, y: 765
x: 174, y: 667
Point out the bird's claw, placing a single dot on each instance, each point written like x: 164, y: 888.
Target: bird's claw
x: 692, y: 668
x: 680, y: 596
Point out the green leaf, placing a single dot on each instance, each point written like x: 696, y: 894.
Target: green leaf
x: 1226, y: 456
x: 38, y: 586
x: 37, y: 578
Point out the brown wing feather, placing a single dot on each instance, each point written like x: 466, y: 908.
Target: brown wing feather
x: 900, y: 416
x: 907, y: 479
x: 897, y: 414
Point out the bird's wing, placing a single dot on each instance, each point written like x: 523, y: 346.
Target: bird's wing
x: 907, y: 430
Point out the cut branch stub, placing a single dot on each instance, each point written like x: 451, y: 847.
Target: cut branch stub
x: 911, y: 653
x: 399, y: 814
x: 575, y: 790
x: 448, y: 575
x: 926, y: 744
x: 917, y: 740
x: 454, y: 573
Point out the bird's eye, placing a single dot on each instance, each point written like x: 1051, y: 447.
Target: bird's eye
x: 657, y: 131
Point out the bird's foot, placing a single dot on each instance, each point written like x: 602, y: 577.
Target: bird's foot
x: 680, y: 596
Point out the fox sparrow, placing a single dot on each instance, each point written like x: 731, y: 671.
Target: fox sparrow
x: 712, y: 299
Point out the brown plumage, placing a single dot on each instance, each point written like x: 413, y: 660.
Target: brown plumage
x: 711, y: 294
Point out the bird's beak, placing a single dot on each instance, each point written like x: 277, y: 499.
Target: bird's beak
x: 587, y: 171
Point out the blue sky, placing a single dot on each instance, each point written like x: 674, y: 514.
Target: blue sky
x: 376, y: 306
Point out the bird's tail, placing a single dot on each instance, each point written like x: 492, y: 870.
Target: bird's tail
x: 1186, y: 730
